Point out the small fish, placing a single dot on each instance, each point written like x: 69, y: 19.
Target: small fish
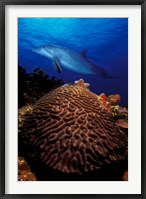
x: 65, y: 58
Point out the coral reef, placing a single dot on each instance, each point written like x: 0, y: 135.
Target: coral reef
x: 21, y: 114
x: 123, y: 124
x: 69, y: 131
x: 82, y: 83
x: 125, y: 176
x: 111, y: 103
x: 119, y: 112
x: 34, y: 85
x: 24, y: 172
x: 114, y: 99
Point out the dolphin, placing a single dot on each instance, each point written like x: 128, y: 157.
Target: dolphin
x: 63, y: 57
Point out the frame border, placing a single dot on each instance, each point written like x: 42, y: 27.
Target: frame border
x: 3, y: 3
x: 143, y: 98
x: 72, y: 2
x: 2, y: 99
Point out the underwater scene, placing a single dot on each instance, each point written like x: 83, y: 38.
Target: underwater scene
x: 72, y: 99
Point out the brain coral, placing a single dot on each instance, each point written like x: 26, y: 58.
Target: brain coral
x: 69, y: 131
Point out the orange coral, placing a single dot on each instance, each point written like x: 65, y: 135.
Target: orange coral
x: 125, y: 176
x: 24, y: 173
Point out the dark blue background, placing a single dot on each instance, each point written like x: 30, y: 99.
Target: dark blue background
x: 106, y: 40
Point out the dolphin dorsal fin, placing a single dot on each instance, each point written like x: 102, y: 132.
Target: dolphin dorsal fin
x: 84, y: 53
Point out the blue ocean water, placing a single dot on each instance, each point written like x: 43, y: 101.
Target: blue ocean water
x: 105, y: 39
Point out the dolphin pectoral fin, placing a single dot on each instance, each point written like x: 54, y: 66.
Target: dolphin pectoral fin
x: 57, y: 65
